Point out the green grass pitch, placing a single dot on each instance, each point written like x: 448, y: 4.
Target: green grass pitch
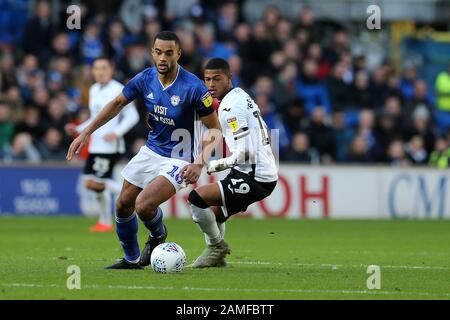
x: 270, y: 259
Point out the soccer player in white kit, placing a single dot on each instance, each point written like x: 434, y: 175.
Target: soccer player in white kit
x: 253, y: 174
x: 106, y: 144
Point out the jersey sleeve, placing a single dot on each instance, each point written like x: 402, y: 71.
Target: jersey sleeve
x: 133, y: 88
x: 202, y: 100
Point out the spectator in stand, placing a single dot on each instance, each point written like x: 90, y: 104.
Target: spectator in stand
x: 282, y: 34
x: 396, y: 153
x: 33, y: 81
x: 7, y: 72
x: 291, y: 51
x: 208, y: 47
x: 416, y: 152
x: 191, y: 60
x: 263, y: 86
x: 366, y: 129
x: 300, y: 151
x: 273, y: 120
x: 21, y: 149
x: 385, y: 130
x: 28, y: 64
x: 393, y: 107
x: 51, y: 146
x: 343, y: 136
x: 271, y: 17
x: 378, y: 88
x: 359, y: 151
x: 307, y: 22
x: 440, y: 157
x: 57, y: 114
x: 13, y: 94
x: 41, y: 99
x: 420, y: 97
x: 308, y: 87
x: 235, y: 63
x: 314, y: 51
x: 360, y: 64
x: 360, y: 94
x: 137, y: 57
x: 227, y: 20
x: 31, y: 124
x: 115, y: 41
x: 321, y: 135
x: 442, y: 86
x: 421, y: 126
x: 242, y: 36
x: 295, y: 116
x: 284, y: 84
x: 339, y: 44
x: 91, y: 45
x: 61, y: 47
x: 6, y: 124
x: 338, y: 89
x: 277, y: 61
x: 407, y: 82
x: 38, y: 32
x: 260, y: 50
x: 393, y: 87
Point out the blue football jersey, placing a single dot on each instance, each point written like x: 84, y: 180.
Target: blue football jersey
x: 174, y: 111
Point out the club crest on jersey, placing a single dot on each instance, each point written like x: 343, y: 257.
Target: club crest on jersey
x: 175, y: 100
x: 207, y: 100
x: 233, y: 124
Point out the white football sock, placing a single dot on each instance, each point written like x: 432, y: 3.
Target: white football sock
x: 221, y: 226
x: 113, y: 186
x: 104, y: 202
x: 206, y: 221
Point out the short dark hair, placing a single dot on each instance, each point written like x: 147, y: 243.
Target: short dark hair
x: 104, y: 58
x: 218, y: 63
x: 167, y: 35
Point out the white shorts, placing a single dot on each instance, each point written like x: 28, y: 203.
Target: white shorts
x: 146, y: 165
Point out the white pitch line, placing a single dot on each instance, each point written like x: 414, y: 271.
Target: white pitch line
x: 335, y: 265
x: 332, y: 265
x: 187, y: 288
x: 409, y: 253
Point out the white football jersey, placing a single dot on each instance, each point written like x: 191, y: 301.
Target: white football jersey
x: 243, y: 127
x: 99, y: 96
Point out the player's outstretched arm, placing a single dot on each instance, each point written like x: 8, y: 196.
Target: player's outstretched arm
x: 111, y: 110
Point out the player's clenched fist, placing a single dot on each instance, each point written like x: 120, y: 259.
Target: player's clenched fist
x: 216, y: 166
x: 191, y: 173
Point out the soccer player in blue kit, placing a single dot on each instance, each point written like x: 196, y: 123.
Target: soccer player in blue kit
x: 175, y: 99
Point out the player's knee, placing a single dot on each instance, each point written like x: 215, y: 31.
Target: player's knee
x: 94, y: 186
x: 124, y: 208
x: 195, y: 199
x: 145, y: 207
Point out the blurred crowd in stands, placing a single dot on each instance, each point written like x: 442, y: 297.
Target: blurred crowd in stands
x: 328, y: 106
